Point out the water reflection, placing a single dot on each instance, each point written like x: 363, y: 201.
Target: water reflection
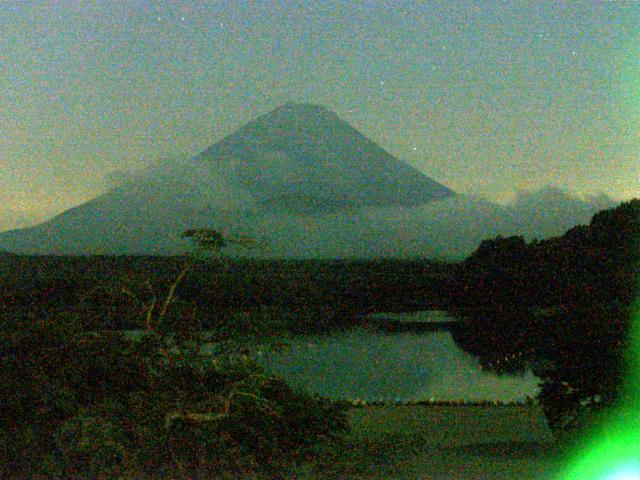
x: 408, y: 366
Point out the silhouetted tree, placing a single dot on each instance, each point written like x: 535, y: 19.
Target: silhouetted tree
x: 562, y: 305
x: 99, y: 404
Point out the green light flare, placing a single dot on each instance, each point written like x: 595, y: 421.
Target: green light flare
x: 611, y: 449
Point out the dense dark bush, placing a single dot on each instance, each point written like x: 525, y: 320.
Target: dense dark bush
x: 88, y: 445
x: 500, y: 337
x: 561, y: 306
x: 76, y: 401
x: 80, y: 403
x: 583, y: 368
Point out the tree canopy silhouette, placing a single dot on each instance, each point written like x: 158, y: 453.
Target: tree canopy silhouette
x: 561, y: 306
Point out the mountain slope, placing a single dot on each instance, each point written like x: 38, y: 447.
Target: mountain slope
x: 306, y: 152
x: 299, y: 160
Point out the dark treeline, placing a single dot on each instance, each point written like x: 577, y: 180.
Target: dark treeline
x: 562, y: 306
x: 110, y: 292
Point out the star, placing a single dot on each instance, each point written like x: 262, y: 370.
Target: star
x: 381, y: 82
x: 415, y: 149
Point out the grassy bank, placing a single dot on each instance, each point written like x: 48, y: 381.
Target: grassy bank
x: 426, y: 442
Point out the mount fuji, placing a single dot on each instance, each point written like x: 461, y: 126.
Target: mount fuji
x: 296, y: 173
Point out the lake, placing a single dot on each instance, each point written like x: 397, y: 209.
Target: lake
x: 372, y: 365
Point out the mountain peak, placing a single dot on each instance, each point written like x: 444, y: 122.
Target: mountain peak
x: 303, y: 150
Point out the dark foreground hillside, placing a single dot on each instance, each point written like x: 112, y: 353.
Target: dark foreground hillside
x: 82, y: 400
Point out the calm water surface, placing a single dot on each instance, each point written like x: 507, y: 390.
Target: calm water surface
x: 370, y: 364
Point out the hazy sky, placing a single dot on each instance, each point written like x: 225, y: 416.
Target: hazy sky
x: 485, y: 97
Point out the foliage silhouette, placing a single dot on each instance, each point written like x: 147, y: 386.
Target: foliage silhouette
x: 80, y: 403
x: 561, y: 306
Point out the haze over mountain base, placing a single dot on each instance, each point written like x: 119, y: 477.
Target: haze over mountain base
x: 448, y: 228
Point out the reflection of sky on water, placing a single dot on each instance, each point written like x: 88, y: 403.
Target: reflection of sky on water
x: 408, y: 366
x: 425, y: 316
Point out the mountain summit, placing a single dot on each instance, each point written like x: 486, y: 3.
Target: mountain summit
x: 303, y: 155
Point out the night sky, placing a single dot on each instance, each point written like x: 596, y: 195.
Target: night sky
x: 486, y: 97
